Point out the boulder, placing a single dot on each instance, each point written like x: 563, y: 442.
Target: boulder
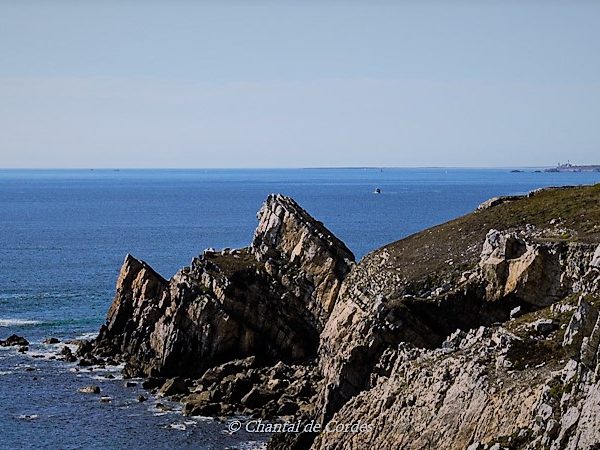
x: 174, y: 386
x: 197, y: 403
x: 495, y: 201
x: 14, y: 340
x: 544, y: 326
x: 287, y: 408
x: 206, y: 410
x: 153, y: 382
x: 235, y: 387
x: 257, y: 397
x: 217, y: 373
x: 512, y: 267
x: 67, y: 355
x: 84, y: 346
x: 89, y: 390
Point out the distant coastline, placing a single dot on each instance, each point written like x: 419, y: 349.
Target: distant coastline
x: 574, y: 168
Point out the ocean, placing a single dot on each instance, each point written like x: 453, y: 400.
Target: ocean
x: 65, y: 233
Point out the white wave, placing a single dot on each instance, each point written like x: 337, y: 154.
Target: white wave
x: 105, y: 378
x: 5, y: 372
x: 39, y: 353
x: 178, y: 426
x: 28, y: 416
x: 16, y: 296
x: 18, y: 322
x: 87, y: 336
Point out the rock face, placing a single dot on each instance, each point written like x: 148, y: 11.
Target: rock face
x: 370, y: 316
x: 529, y: 272
x: 390, y: 355
x: 287, y: 235
x: 596, y: 259
x: 270, y: 300
x: 477, y: 390
x: 481, y: 333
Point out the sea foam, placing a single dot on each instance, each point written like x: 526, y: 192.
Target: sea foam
x: 18, y: 322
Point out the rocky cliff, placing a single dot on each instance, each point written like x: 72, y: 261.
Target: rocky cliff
x: 458, y: 336
x: 270, y: 300
x: 479, y: 333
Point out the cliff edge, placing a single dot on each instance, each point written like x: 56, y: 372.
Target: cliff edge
x: 479, y: 333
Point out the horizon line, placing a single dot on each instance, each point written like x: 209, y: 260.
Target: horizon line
x: 116, y: 168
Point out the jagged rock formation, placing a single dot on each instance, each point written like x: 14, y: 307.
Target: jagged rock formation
x: 288, y: 236
x: 384, y: 358
x: 481, y: 333
x: 502, y: 385
x: 270, y: 300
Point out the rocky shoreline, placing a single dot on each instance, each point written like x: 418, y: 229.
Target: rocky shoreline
x: 481, y: 333
x: 236, y: 332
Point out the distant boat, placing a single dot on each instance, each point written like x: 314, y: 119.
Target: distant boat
x: 377, y: 191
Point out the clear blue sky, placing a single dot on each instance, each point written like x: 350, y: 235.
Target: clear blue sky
x: 296, y: 84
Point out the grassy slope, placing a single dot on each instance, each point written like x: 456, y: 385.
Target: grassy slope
x: 460, y: 240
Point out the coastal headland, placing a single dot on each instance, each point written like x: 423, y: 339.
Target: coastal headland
x: 482, y: 332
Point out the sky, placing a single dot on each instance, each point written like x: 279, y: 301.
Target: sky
x: 326, y: 83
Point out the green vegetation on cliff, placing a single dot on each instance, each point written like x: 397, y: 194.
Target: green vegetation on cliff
x: 571, y: 214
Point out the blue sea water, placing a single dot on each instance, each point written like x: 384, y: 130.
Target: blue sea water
x: 64, y: 234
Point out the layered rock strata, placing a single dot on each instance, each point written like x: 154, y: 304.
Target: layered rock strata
x: 269, y: 300
x: 481, y: 333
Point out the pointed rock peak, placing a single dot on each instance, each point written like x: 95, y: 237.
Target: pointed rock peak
x: 287, y: 233
x: 283, y: 224
x: 132, y: 267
